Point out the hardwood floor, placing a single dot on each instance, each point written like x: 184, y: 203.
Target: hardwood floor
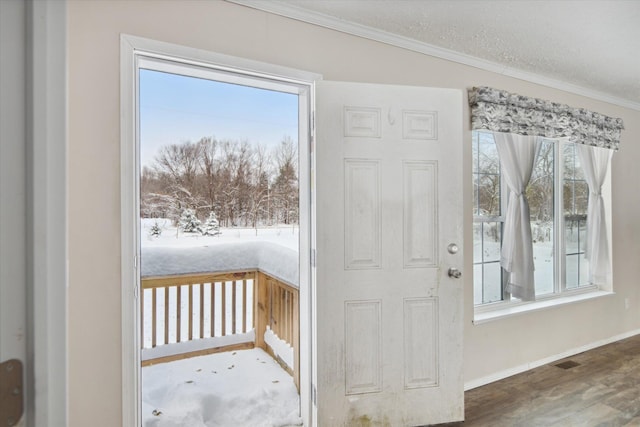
x: 600, y: 388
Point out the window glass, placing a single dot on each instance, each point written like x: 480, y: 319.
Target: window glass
x: 488, y: 220
x: 540, y: 195
x: 556, y: 166
x: 575, y: 201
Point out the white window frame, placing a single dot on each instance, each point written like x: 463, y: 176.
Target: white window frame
x: 135, y: 51
x: 560, y: 295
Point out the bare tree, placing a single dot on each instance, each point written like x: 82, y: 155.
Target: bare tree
x: 242, y: 183
x: 260, y: 192
x: 210, y: 167
x: 177, y: 166
x: 286, y: 182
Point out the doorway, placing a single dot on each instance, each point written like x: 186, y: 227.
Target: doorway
x: 222, y: 218
x: 388, y: 186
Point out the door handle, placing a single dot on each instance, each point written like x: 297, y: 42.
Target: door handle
x: 454, y: 273
x: 11, y: 392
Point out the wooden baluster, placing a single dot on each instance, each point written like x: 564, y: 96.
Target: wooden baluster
x: 153, y: 317
x: 276, y: 308
x: 270, y: 302
x: 223, y: 305
x: 275, y: 303
x: 289, y: 315
x: 201, y: 310
x: 213, y: 308
x: 255, y: 308
x: 283, y: 308
x: 245, y: 287
x: 234, y: 286
x: 287, y: 323
x: 166, y: 315
x: 190, y: 311
x: 178, y: 312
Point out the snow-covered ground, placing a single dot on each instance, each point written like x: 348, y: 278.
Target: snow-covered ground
x: 284, y: 235
x: 240, y: 388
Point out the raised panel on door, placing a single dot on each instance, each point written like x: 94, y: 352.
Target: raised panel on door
x: 421, y: 342
x: 362, y: 214
x: 363, y: 322
x: 420, y: 225
x: 389, y: 328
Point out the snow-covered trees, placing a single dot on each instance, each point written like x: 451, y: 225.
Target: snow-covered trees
x: 211, y: 226
x: 244, y: 184
x: 155, y: 230
x: 286, y: 182
x: 189, y: 223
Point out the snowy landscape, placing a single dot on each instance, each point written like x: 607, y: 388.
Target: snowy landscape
x: 218, y: 194
x: 239, y: 388
x: 171, y: 236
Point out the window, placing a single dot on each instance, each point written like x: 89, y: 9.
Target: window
x: 558, y: 197
x: 575, y: 198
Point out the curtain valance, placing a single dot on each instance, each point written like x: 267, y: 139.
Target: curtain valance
x: 500, y: 111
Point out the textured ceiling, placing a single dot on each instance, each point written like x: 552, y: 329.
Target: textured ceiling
x: 591, y: 44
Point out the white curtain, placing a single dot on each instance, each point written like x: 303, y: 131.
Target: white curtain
x: 595, y: 162
x: 517, y: 155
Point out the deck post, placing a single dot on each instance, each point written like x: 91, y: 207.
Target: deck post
x: 261, y: 309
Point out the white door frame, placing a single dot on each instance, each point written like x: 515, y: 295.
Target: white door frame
x: 133, y: 48
x: 34, y: 135
x: 47, y: 249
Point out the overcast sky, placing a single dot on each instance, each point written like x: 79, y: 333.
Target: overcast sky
x: 176, y: 108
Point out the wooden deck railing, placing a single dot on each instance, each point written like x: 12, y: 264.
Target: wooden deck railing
x: 208, y: 307
x: 186, y: 308
x: 277, y: 306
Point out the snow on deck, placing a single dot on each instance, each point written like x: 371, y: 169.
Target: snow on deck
x: 240, y: 388
x: 267, y: 257
x: 271, y: 250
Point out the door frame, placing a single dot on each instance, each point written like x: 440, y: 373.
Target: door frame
x: 131, y: 49
x: 34, y: 122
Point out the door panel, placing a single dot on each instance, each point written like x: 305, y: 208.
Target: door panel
x: 389, y: 319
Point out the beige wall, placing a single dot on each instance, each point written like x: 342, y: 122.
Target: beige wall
x: 94, y: 192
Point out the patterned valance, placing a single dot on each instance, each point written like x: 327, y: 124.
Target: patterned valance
x: 500, y: 111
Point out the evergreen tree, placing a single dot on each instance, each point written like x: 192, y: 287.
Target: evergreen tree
x: 155, y: 230
x: 211, y: 225
x: 189, y: 222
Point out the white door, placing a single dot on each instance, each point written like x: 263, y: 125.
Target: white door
x: 389, y: 228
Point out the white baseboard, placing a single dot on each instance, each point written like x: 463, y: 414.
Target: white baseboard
x: 527, y: 366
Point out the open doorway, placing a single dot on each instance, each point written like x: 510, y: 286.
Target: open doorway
x: 224, y: 209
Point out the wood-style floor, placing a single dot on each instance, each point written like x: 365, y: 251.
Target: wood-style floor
x: 600, y: 387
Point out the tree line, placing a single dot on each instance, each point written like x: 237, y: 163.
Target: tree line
x: 539, y: 191
x: 244, y: 184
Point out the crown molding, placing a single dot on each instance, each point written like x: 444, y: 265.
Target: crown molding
x: 300, y: 14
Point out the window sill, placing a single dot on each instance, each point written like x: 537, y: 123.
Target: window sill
x: 521, y: 308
